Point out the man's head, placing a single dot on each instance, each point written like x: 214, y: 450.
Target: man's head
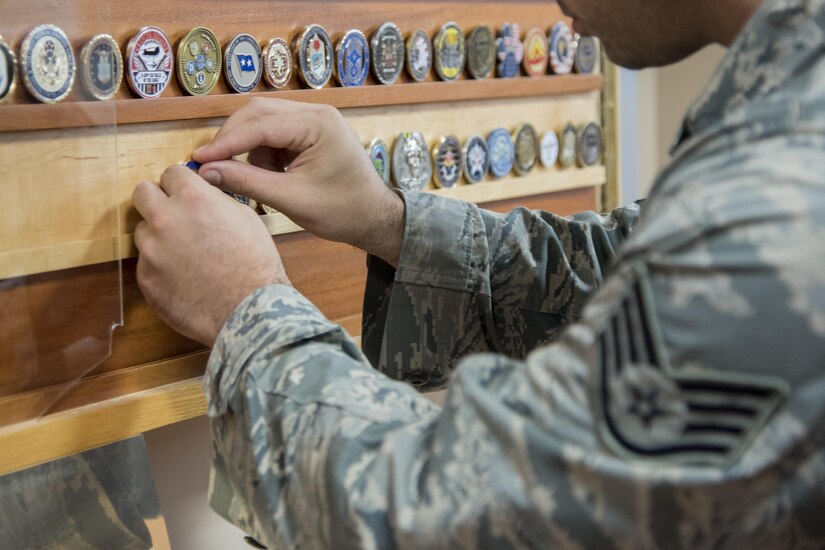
x: 650, y: 33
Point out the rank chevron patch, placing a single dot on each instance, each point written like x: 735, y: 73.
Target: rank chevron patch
x: 647, y: 410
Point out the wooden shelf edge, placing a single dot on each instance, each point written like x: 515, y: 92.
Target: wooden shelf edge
x: 28, y: 116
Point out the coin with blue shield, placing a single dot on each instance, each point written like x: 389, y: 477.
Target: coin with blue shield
x: 352, y: 59
x: 314, y: 51
x: 502, y: 152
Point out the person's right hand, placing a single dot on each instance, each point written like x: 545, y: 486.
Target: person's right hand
x: 306, y: 161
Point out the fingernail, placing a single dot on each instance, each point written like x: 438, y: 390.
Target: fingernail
x: 212, y: 177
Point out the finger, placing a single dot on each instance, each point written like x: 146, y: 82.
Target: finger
x: 175, y: 178
x: 271, y: 188
x: 256, y: 108
x: 140, y: 234
x: 148, y: 198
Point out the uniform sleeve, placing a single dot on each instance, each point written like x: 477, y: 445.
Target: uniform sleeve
x: 472, y: 281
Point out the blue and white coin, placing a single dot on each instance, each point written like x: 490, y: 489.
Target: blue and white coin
x: 8, y: 64
x: 48, y: 64
x: 549, y: 149
x: 476, y: 159
x: 314, y: 56
x: 352, y: 59
x: 243, y: 62
x: 502, y: 152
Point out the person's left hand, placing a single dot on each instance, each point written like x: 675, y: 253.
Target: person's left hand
x: 201, y: 253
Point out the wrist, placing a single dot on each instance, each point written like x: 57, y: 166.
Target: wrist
x: 385, y: 232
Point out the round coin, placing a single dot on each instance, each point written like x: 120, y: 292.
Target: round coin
x: 47, y: 63
x: 567, y: 148
x: 562, y: 48
x: 502, y: 152
x: 379, y: 157
x: 419, y: 55
x: 481, y: 52
x: 535, y: 52
x: 149, y: 62
x: 199, y: 61
x: 549, y: 149
x: 277, y: 63
x: 353, y: 59
x: 387, y: 53
x: 590, y: 145
x: 587, y: 55
x: 101, y: 67
x: 8, y: 72
x: 447, y: 162
x: 314, y: 51
x: 476, y: 159
x: 243, y: 63
x: 509, y: 51
x: 412, y: 168
x: 450, y: 52
x: 527, y: 148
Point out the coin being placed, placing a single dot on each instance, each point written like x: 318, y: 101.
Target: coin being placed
x: 149, y: 62
x: 8, y: 71
x: 47, y: 63
x: 101, y: 67
x: 476, y: 159
x: 387, y: 53
x: 502, y: 152
x: 509, y: 51
x: 562, y: 48
x: 412, y: 168
x: 244, y: 200
x: 419, y: 55
x: 587, y: 55
x: 314, y: 51
x: 379, y: 156
x: 199, y: 61
x: 352, y: 59
x: 450, y: 52
x: 266, y: 210
x: 535, y: 52
x: 527, y: 148
x: 243, y: 64
x: 277, y: 63
x: 567, y: 147
x: 591, y: 145
x: 549, y: 149
x: 447, y: 162
x: 481, y: 52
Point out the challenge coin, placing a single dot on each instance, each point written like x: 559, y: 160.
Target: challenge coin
x: 450, y: 52
x: 509, y: 50
x: 567, y: 147
x: 199, y: 61
x: 277, y: 63
x: 353, y: 59
x: 8, y: 72
x: 527, y: 148
x: 502, y: 152
x: 101, y: 67
x: 476, y: 159
x: 314, y: 51
x: 387, y: 53
x: 590, y: 145
x: 149, y: 62
x: 481, y: 52
x: 587, y: 55
x: 549, y: 149
x: 379, y: 156
x: 447, y: 162
x: 419, y: 55
x: 412, y: 168
x: 243, y: 63
x: 535, y: 52
x: 47, y: 63
x: 562, y: 48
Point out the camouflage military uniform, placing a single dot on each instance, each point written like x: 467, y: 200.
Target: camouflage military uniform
x: 676, y: 402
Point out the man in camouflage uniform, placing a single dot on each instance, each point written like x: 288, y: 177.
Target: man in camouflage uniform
x: 660, y: 391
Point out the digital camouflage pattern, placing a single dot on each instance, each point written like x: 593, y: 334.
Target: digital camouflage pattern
x: 676, y: 402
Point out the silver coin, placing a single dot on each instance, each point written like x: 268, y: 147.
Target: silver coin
x: 447, y: 162
x: 476, y: 159
x: 567, y: 149
x: 590, y: 145
x: 587, y: 55
x: 387, y: 53
x: 412, y: 168
x: 526, y: 142
x: 549, y: 149
x: 419, y: 55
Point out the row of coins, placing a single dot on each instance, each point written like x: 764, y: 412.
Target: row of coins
x: 48, y: 65
x: 412, y: 167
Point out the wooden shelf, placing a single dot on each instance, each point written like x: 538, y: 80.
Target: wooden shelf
x: 24, y: 117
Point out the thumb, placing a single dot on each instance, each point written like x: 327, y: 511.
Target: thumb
x: 241, y: 178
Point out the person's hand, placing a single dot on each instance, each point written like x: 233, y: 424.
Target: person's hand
x: 201, y: 253
x: 307, y: 162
